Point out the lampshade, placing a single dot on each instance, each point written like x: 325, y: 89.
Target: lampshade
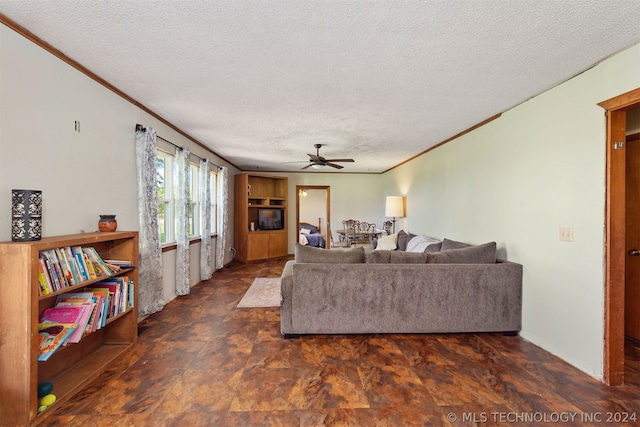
x: 394, y: 206
x: 316, y: 166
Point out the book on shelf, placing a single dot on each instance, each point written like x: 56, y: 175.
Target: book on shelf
x: 131, y: 294
x: 43, y: 278
x: 113, y: 267
x: 81, y: 298
x: 61, y: 315
x: 69, y: 314
x: 69, y: 266
x: 103, y: 299
x: 89, y: 264
x: 120, y: 263
x: 73, y: 264
x: 99, y: 265
x: 82, y: 266
x: 66, y: 268
x: 87, y: 309
x: 55, y: 272
x: 118, y: 288
x: 52, y: 336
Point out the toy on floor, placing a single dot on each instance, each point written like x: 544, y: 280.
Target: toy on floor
x: 44, y: 391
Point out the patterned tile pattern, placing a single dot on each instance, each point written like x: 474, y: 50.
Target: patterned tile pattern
x: 203, y: 362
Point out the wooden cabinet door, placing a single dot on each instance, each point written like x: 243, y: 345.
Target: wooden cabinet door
x: 278, y: 245
x: 257, y: 245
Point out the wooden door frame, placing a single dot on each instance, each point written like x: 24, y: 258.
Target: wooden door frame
x: 299, y: 188
x: 616, y: 108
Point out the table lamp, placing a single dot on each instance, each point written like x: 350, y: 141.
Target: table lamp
x: 394, y: 207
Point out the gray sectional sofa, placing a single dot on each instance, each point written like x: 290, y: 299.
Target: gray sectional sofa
x: 460, y: 288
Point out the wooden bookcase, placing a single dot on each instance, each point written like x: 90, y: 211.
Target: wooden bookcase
x: 252, y: 193
x: 75, y: 365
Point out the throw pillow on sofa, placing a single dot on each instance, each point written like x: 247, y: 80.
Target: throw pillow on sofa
x: 480, y: 254
x: 396, y: 257
x: 308, y: 254
x: 403, y: 239
x: 387, y: 242
x: 452, y: 244
x: 421, y: 243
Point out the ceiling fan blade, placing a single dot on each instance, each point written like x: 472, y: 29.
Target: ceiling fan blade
x: 314, y: 158
x: 308, y: 166
x: 333, y: 165
x: 340, y: 160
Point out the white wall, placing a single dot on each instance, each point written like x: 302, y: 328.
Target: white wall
x: 81, y: 175
x: 353, y: 196
x: 517, y: 180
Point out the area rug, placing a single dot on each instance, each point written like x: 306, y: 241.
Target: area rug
x: 263, y: 292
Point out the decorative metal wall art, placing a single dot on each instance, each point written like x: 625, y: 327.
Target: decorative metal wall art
x: 26, y: 215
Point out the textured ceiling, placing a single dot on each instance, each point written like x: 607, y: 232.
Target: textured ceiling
x: 379, y: 81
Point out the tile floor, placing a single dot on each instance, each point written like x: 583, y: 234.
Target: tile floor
x: 203, y: 362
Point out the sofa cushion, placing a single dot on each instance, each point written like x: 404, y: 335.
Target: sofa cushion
x: 480, y: 254
x: 420, y: 243
x: 308, y: 254
x: 403, y: 239
x: 452, y: 244
x: 387, y: 242
x: 397, y: 257
x: 434, y: 247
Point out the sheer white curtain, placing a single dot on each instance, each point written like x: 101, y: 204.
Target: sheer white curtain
x: 150, y: 293
x: 223, y: 216
x: 205, y: 219
x: 182, y: 220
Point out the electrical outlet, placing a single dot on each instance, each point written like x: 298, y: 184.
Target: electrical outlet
x: 566, y: 234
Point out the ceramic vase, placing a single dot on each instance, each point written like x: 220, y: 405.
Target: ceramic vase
x: 107, y: 223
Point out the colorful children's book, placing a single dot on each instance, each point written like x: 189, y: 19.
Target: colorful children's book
x: 65, y: 315
x: 51, y: 336
x: 98, y: 264
x: 66, y: 269
x: 77, y: 298
x: 87, y: 309
x: 79, y: 256
x: 104, y: 300
x: 54, y: 269
x: 43, y: 278
x: 71, y: 315
x: 89, y: 264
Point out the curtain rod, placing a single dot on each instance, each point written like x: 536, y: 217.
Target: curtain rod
x: 142, y: 129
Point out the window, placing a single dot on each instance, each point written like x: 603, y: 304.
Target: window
x: 194, y: 201
x: 165, y: 174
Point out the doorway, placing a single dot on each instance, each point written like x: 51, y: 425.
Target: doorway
x: 313, y: 206
x: 615, y: 239
x: 632, y: 227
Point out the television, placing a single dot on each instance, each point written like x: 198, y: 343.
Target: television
x: 270, y: 219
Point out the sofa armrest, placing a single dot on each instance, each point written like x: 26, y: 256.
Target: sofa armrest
x: 286, y: 292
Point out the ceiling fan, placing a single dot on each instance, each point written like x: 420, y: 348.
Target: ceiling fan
x: 316, y: 161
